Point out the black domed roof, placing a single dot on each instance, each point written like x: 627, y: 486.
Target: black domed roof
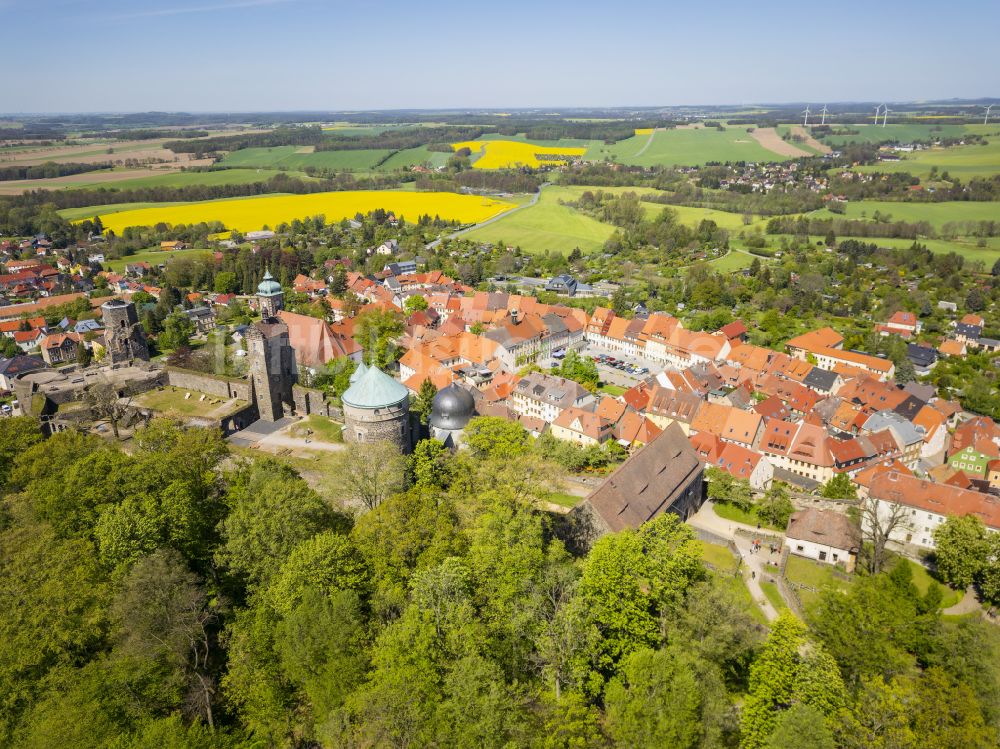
x: 452, y: 408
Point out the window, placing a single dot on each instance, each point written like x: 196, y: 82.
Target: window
x: 800, y: 548
x: 835, y: 557
x: 822, y: 556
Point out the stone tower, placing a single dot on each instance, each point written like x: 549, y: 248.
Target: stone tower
x: 377, y: 409
x: 270, y: 297
x: 124, y: 337
x: 272, y: 368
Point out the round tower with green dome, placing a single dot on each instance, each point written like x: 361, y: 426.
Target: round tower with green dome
x: 377, y: 409
x: 270, y: 297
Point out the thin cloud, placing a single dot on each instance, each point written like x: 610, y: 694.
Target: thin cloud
x: 189, y: 9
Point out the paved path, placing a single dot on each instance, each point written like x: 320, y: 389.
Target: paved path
x: 968, y: 605
x: 273, y: 441
x: 487, y: 222
x: 753, y: 562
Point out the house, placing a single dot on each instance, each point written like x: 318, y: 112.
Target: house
x: 17, y: 365
x: 909, y: 437
x: 903, y: 324
x: 664, y: 476
x: 545, y: 396
x: 59, y: 348
x: 923, y: 357
x: 737, y: 461
x: 952, y: 347
x: 28, y: 339
x: 823, y: 535
x: 921, y: 506
x: 562, y: 284
x: 173, y: 245
x: 580, y: 427
x: 202, y: 317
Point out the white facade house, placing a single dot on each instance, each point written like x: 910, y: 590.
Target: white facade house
x: 823, y: 535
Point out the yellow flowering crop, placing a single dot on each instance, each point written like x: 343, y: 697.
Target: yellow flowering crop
x: 251, y: 214
x: 501, y: 154
x: 644, y: 131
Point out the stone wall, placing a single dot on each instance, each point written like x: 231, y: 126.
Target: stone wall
x: 312, y: 401
x: 221, y: 387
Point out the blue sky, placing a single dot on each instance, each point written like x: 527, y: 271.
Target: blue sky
x: 238, y: 55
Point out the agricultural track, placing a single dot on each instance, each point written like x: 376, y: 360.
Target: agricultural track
x: 648, y: 144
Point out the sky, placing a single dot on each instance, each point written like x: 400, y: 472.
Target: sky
x: 293, y: 55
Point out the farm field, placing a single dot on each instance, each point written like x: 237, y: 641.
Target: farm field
x: 250, y: 214
x: 154, y: 256
x: 964, y: 162
x: 936, y: 214
x: 501, y: 154
x: 870, y: 133
x: 295, y: 157
x: 685, y: 147
x: 411, y: 157
x: 547, y: 225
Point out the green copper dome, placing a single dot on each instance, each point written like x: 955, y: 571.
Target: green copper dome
x: 358, y: 373
x: 268, y: 287
x: 375, y: 389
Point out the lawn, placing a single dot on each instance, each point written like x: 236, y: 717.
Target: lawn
x: 737, y: 515
x: 964, y: 162
x: 923, y: 580
x: 816, y: 575
x: 685, y: 147
x: 719, y: 556
x: 183, y: 402
x: 773, y: 595
x: 742, y: 592
x: 611, y: 389
x: 153, y: 256
x: 319, y: 428
x: 252, y: 213
x: 733, y: 261
x: 547, y: 225
x: 296, y: 157
x: 563, y: 499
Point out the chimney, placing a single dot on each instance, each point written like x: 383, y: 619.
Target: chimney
x: 515, y: 316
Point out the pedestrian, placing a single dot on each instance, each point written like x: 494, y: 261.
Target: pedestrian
x: 753, y: 574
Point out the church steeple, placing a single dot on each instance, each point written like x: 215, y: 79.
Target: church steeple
x: 270, y: 297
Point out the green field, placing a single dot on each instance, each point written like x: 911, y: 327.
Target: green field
x: 814, y: 574
x: 936, y: 214
x: 964, y: 162
x: 547, y: 225
x: 413, y: 156
x: 783, y: 129
x: 870, y: 133
x: 733, y: 261
x: 188, y: 179
x: 685, y: 148
x: 89, y: 211
x: 153, y: 256
x: 294, y: 157
x: 719, y: 556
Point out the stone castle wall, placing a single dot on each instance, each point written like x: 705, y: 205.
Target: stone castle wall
x: 312, y: 401
x: 221, y: 387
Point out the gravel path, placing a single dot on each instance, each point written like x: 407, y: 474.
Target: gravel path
x: 648, y: 144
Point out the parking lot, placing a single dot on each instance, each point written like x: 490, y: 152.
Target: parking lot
x: 618, y: 372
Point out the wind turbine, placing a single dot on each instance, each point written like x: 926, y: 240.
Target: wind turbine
x: 823, y: 112
x: 877, y: 110
x: 805, y: 122
x: 885, y: 116
x: 986, y: 119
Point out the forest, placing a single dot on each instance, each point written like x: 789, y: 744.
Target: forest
x: 179, y: 595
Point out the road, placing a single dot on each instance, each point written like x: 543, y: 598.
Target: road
x: 487, y: 222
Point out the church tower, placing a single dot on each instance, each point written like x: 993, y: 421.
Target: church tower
x: 270, y: 297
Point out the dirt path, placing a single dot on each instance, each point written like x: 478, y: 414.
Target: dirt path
x: 648, y: 144
x: 768, y: 137
x: 968, y: 605
x: 280, y: 441
x: 809, y: 140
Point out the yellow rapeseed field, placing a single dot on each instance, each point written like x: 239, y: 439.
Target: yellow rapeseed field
x: 644, y: 131
x: 251, y: 214
x: 500, y: 154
